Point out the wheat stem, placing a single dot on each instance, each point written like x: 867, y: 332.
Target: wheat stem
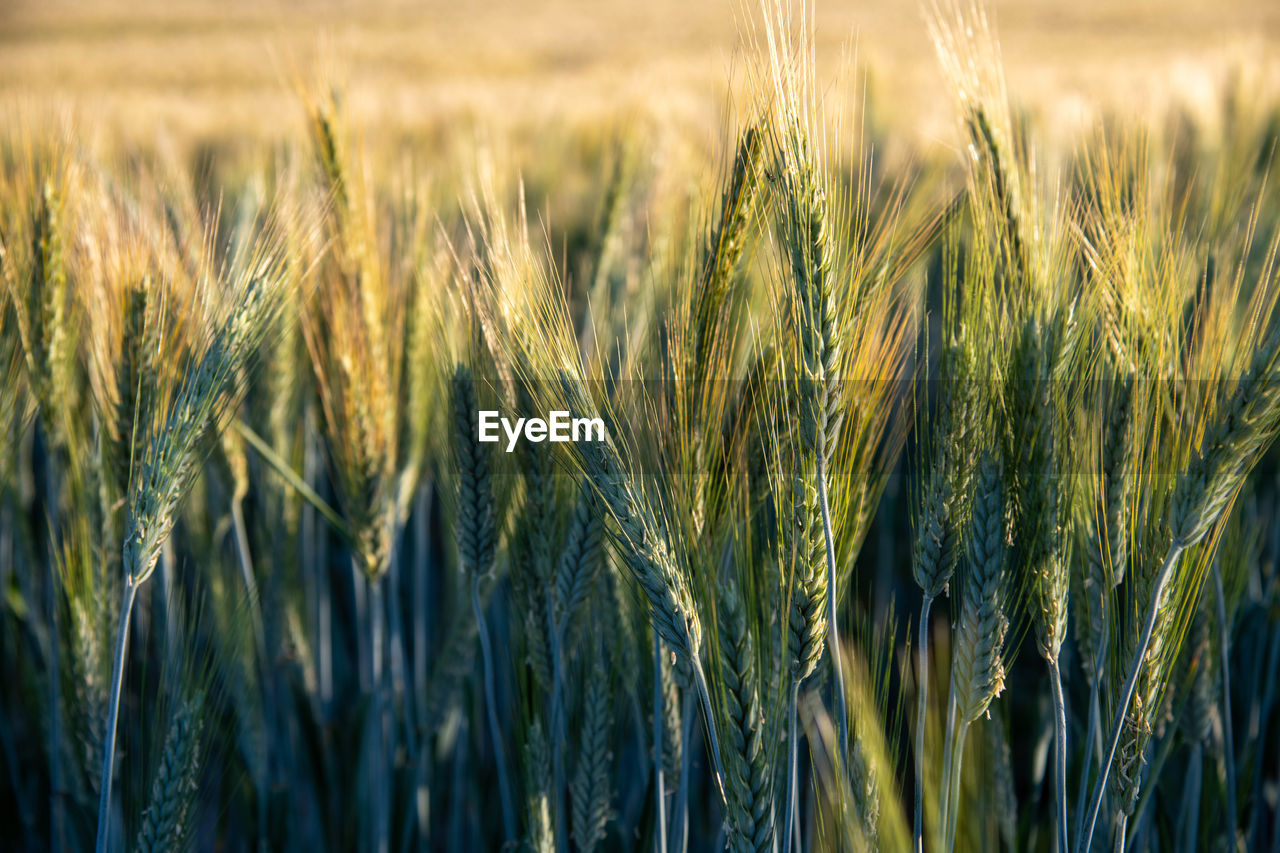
x: 793, y: 750
x: 953, y: 797
x: 113, y: 713
x: 57, y: 787
x: 1093, y: 733
x: 246, y: 573
x: 700, y: 682
x: 1190, y: 818
x: 1131, y: 682
x: 842, y: 706
x: 1275, y: 832
x: 1122, y: 826
x: 948, y: 748
x: 1228, y: 746
x: 680, y: 817
x: 922, y: 700
x: 1269, y: 662
x: 397, y: 650
x: 1060, y: 753
x: 382, y: 711
x: 495, y: 731
x: 657, y: 742
x: 259, y: 636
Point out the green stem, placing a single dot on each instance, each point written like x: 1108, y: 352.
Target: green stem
x: 1131, y: 682
x: 700, y: 681
x: 792, y: 756
x: 953, y: 799
x: 1060, y: 753
x: 680, y: 817
x: 56, y: 784
x: 495, y: 731
x: 657, y: 743
x: 1190, y: 819
x: 1228, y: 746
x: 922, y: 702
x: 260, y: 645
x: 948, y: 749
x: 113, y: 714
x: 1093, y: 735
x: 250, y: 581
x: 382, y: 714
x: 833, y: 627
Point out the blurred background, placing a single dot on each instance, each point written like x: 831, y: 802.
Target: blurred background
x: 230, y: 69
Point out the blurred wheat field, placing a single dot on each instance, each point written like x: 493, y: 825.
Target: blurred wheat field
x: 935, y: 351
x: 219, y: 68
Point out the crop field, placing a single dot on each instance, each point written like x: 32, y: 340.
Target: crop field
x: 674, y: 427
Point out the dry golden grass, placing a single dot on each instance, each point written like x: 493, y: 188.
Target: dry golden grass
x: 227, y: 69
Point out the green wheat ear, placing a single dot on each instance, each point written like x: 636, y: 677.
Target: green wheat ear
x: 476, y: 541
x: 540, y: 834
x: 166, y: 823
x: 747, y: 765
x: 475, y: 513
x: 590, y: 789
x: 979, y: 668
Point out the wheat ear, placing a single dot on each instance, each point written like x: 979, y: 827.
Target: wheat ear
x: 937, y: 544
x: 165, y: 823
x: 1106, y: 553
x: 589, y: 789
x: 1044, y: 500
x: 541, y: 832
x: 749, y: 775
x: 1245, y: 426
x: 169, y: 468
x: 477, y: 541
x: 977, y: 671
x: 647, y: 552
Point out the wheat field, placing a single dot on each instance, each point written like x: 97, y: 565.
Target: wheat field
x: 682, y: 427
